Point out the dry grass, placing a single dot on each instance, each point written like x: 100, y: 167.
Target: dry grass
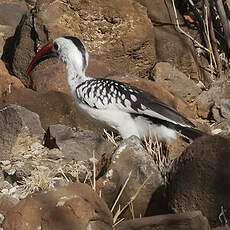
x: 115, y: 140
x: 160, y: 155
x: 40, y: 173
x: 164, y: 164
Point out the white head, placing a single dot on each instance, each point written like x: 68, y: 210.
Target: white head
x: 70, y: 50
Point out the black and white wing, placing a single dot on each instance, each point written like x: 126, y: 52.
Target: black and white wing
x: 109, y: 94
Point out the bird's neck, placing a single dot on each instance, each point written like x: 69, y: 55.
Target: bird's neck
x: 75, y: 76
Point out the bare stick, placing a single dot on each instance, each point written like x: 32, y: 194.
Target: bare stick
x: 183, y: 32
x: 225, y: 21
x: 121, y: 191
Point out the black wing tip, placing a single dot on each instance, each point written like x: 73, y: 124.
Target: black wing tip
x: 191, y: 133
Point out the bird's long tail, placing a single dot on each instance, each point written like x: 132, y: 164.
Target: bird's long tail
x: 186, y: 131
x: 191, y: 133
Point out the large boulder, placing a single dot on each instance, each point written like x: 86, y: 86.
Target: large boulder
x: 11, y: 13
x: 107, y: 33
x: 172, y: 46
x: 75, y: 206
x: 200, y: 179
x: 131, y: 162
x: 19, y: 128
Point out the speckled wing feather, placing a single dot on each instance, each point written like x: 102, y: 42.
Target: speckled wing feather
x: 113, y: 95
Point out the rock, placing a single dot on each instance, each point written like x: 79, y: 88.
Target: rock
x: 52, y: 108
x: 175, y: 81
x: 11, y: 13
x: 52, y: 77
x: 75, y: 206
x: 107, y: 33
x: 172, y: 46
x: 24, y: 50
x: 186, y: 221
x: 6, y: 203
x: 131, y: 158
x: 19, y: 128
x: 200, y: 181
x: 76, y: 144
x: 7, y: 81
x: 17, y: 7
x: 214, y: 104
x: 98, y: 68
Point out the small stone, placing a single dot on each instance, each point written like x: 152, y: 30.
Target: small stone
x: 1, y: 218
x: 6, y: 162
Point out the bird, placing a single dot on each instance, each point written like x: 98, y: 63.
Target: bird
x: 125, y: 108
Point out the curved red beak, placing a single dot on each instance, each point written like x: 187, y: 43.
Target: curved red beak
x: 46, y: 52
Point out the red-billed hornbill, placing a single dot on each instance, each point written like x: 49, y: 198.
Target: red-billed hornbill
x: 127, y: 109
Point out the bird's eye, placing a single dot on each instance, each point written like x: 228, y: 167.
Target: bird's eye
x: 55, y: 46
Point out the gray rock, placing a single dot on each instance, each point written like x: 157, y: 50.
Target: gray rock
x: 76, y: 144
x: 186, y: 221
x: 214, y: 103
x: 24, y: 51
x: 176, y: 81
x: 131, y: 156
x: 172, y: 46
x: 200, y: 179
x: 11, y: 13
x: 19, y: 128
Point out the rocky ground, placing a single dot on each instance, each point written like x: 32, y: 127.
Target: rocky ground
x: 60, y: 169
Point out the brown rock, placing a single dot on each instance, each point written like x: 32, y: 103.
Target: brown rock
x: 19, y: 129
x: 172, y: 46
x: 7, y: 81
x: 98, y: 67
x: 106, y: 31
x: 176, y: 147
x: 175, y: 81
x: 186, y: 221
x: 51, y: 77
x: 200, y: 180
x: 6, y: 203
x: 24, y: 50
x: 75, y: 206
x: 7, y: 8
x: 131, y: 157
